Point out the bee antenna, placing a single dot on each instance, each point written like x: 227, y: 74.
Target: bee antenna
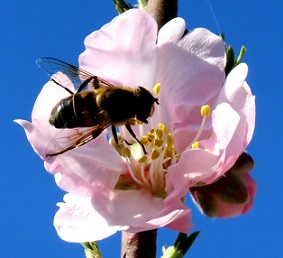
x: 156, y: 101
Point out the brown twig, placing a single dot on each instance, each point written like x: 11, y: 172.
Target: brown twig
x: 162, y: 10
x: 139, y: 245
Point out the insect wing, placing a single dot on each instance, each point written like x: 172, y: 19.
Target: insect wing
x: 79, y: 137
x: 79, y: 77
x: 53, y: 65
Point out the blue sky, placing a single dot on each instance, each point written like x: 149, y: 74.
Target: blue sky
x: 57, y: 28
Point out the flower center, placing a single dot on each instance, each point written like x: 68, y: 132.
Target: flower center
x: 148, y: 171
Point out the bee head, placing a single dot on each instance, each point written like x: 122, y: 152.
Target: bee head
x: 145, y: 104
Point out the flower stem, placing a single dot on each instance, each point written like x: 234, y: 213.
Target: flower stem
x: 139, y: 245
x: 91, y: 250
x: 162, y: 10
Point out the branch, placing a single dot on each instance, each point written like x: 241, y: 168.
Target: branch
x: 162, y: 10
x: 139, y: 245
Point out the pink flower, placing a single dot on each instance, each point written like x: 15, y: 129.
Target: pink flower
x: 119, y: 188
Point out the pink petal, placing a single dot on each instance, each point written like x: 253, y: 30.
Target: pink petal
x: 252, y: 188
x: 196, y: 81
x: 238, y: 94
x: 94, y: 171
x: 120, y: 207
x: 175, y: 216
x: 33, y: 134
x: 224, y: 123
x: 189, y: 170
x: 172, y: 31
x: 232, y: 127
x: 77, y: 221
x: 129, y: 36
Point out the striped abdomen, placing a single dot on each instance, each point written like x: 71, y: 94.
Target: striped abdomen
x: 78, y: 110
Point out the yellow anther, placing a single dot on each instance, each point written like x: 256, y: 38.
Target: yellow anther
x: 163, y: 128
x: 195, y: 145
x: 205, y: 110
x: 144, y: 140
x: 169, y: 140
x: 158, y: 142
x: 150, y: 135
x: 155, y: 154
x: 169, y: 153
x: 143, y: 159
x: 159, y: 133
x: 126, y: 153
x: 156, y: 88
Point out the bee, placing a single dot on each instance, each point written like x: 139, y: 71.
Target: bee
x: 96, y: 105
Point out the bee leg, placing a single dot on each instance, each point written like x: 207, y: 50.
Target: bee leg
x: 59, y: 84
x: 114, y: 133
x: 130, y: 130
x: 85, y: 83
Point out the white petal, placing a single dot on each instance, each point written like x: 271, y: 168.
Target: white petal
x: 77, y: 221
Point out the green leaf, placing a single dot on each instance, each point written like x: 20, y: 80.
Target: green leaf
x: 231, y: 62
x: 122, y: 6
x: 240, y: 56
x: 184, y: 242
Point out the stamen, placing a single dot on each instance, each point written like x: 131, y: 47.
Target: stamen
x: 151, y: 175
x: 163, y: 128
x: 132, y: 173
x: 169, y: 140
x: 158, y: 142
x: 159, y: 133
x: 169, y: 152
x: 150, y: 135
x: 205, y: 112
x: 156, y: 88
x: 143, y: 159
x: 144, y: 140
x: 142, y: 172
x: 195, y: 145
x: 149, y: 171
x: 155, y: 154
x: 126, y: 153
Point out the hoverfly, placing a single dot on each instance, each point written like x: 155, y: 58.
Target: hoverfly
x: 96, y: 104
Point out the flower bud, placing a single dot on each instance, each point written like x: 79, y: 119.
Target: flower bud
x: 231, y: 195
